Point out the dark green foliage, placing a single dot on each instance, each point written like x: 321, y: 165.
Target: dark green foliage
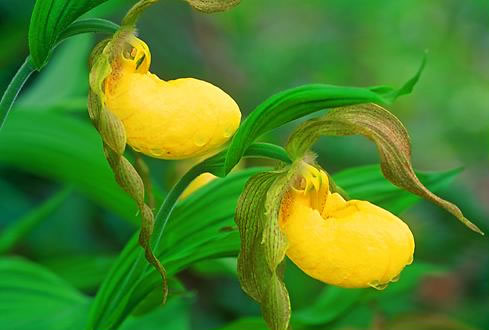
x: 49, y: 19
x: 71, y: 258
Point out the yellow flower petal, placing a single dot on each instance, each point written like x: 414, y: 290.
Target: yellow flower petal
x: 352, y: 244
x: 174, y: 119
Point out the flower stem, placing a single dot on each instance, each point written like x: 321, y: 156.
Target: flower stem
x: 14, y: 88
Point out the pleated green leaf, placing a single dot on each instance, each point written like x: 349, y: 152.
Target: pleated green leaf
x: 64, y: 149
x: 49, y: 19
x: 34, y: 298
x: 387, y: 132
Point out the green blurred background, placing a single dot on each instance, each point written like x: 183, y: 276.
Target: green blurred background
x: 252, y: 52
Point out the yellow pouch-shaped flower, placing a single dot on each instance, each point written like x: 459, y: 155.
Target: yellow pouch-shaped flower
x: 198, y: 183
x: 173, y: 119
x: 352, y: 244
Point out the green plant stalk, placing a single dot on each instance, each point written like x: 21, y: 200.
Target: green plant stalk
x: 13, y: 89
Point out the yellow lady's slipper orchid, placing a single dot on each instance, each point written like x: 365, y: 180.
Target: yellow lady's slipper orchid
x: 173, y: 119
x: 352, y: 244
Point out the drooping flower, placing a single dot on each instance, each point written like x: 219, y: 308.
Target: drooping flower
x: 173, y: 119
x: 351, y: 244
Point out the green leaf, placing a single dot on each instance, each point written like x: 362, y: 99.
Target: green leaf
x: 391, y: 138
x: 198, y: 229
x: 13, y: 89
x: 255, y: 323
x: 259, y: 268
x: 28, y: 67
x: 333, y: 302
x: 65, y: 149
x: 49, y: 19
x: 174, y: 315
x: 34, y: 298
x: 330, y: 304
x: 392, y: 94
x: 66, y: 74
x: 84, y: 272
x: 295, y: 103
x: 13, y: 234
x: 410, y: 278
x: 213, y: 6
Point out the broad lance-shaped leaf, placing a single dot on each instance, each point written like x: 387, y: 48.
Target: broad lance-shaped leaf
x: 49, y: 19
x: 14, y: 233
x: 295, y: 103
x: 258, y: 279
x: 391, y: 138
x: 32, y: 297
